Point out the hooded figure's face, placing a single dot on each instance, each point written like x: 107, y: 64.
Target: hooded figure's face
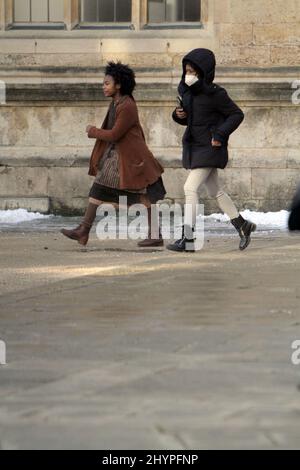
x: 198, y: 67
x: 191, y: 75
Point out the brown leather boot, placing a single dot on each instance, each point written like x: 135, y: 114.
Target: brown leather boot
x: 154, y: 234
x: 81, y: 233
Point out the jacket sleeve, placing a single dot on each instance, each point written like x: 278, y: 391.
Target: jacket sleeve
x: 182, y: 122
x: 125, y: 119
x: 233, y: 114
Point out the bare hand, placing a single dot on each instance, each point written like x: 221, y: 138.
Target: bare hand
x: 88, y: 129
x: 216, y: 143
x: 180, y: 113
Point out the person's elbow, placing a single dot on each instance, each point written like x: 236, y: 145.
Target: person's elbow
x: 241, y: 116
x: 237, y: 118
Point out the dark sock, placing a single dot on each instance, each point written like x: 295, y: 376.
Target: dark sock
x: 90, y: 215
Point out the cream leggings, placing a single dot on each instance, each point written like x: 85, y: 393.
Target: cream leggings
x: 208, y: 177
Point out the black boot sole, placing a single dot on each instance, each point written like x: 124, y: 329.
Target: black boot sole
x: 150, y: 244
x: 178, y: 250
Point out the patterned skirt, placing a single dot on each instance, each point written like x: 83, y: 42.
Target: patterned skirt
x: 154, y: 192
x: 107, y: 182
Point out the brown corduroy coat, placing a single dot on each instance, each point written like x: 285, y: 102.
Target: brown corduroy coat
x: 137, y: 166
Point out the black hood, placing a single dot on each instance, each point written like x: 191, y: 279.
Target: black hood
x: 204, y: 61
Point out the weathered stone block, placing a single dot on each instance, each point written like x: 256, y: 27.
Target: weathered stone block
x: 276, y: 34
x: 285, y: 55
x: 272, y: 184
x: 174, y: 180
x: 32, y: 204
x: 236, y: 181
x: 258, y: 158
x: 50, y: 60
x: 67, y: 46
x: 7, y: 126
x: 269, y: 127
x: 234, y: 34
x: 23, y: 182
x: 256, y: 11
x: 159, y: 127
x: 293, y: 159
x: 258, y: 56
x: 68, y: 183
x: 17, y: 46
x: 139, y: 60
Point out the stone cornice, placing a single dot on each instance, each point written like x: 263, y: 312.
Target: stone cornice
x: 280, y: 91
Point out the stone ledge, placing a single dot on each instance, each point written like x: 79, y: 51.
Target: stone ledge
x: 76, y: 205
x: 79, y: 92
x: 77, y: 157
x: 221, y: 71
x: 32, y: 204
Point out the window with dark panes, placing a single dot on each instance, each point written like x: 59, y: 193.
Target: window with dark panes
x: 173, y: 11
x: 106, y: 11
x: 38, y: 11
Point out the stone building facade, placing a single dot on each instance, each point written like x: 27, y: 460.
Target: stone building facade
x: 52, y: 57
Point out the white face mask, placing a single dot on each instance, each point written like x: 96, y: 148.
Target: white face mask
x: 191, y: 79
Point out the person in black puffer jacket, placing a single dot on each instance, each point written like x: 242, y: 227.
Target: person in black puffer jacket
x: 210, y: 117
x: 294, y: 217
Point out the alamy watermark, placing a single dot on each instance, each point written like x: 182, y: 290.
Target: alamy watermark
x: 295, y: 358
x: 2, y: 92
x: 296, y: 94
x: 2, y: 353
x: 132, y: 222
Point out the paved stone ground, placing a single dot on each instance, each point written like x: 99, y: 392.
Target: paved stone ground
x: 112, y: 347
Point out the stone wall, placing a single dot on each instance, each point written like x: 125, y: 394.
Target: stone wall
x: 53, y: 81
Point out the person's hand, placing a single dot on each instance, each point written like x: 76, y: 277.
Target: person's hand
x: 88, y: 128
x: 180, y: 113
x: 216, y: 143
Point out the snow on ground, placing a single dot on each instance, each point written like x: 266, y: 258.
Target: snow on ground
x: 266, y: 219
x: 277, y: 220
x: 20, y: 215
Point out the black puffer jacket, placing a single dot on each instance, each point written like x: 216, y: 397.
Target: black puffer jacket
x: 210, y: 114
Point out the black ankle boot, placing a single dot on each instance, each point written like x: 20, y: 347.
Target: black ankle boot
x: 244, y: 229
x: 186, y: 242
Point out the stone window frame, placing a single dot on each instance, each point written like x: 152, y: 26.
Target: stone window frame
x: 103, y: 25
x: 176, y: 25
x: 32, y: 22
x: 8, y: 19
x: 139, y: 22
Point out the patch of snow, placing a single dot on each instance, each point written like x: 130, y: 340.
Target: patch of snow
x: 266, y: 219
x: 18, y: 216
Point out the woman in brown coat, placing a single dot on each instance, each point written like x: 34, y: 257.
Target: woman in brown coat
x: 121, y: 161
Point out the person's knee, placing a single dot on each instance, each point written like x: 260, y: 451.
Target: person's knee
x: 190, y: 190
x: 212, y: 192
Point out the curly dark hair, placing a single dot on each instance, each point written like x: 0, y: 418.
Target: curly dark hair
x: 123, y: 75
